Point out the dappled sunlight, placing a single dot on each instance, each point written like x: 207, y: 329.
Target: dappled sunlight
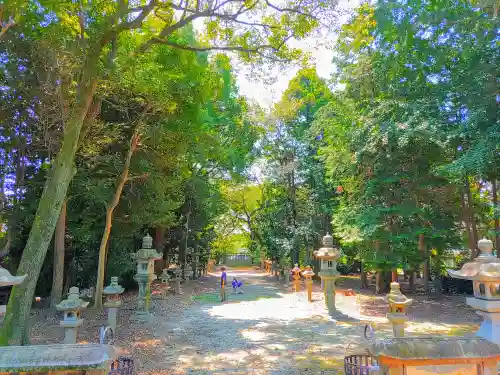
x: 146, y: 343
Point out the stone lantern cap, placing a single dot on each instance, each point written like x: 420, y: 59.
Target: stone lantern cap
x: 328, y: 252
x: 486, y: 267
x: 113, y: 288
x: 73, y: 302
x: 308, y: 272
x: 395, y: 297
x: 6, y: 279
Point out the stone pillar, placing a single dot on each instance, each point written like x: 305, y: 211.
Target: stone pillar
x: 145, y: 259
x: 71, y: 307
x: 328, y: 256
x: 175, y: 283
x: 113, y: 301
x: 398, y: 304
x: 296, y: 278
x: 308, y: 274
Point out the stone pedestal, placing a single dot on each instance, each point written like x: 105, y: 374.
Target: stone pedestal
x: 329, y: 278
x: 398, y: 321
x: 175, y: 285
x: 490, y: 311
x: 296, y: 278
x: 308, y: 274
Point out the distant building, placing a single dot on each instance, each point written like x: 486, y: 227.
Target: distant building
x: 241, y: 258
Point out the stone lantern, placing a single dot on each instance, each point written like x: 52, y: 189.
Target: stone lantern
x: 7, y: 280
x: 71, y: 307
x: 398, y: 304
x: 484, y: 272
x: 328, y: 256
x: 296, y: 277
x: 113, y: 300
x: 308, y: 274
x: 145, y: 259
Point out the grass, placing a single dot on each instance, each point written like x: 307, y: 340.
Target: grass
x: 207, y: 297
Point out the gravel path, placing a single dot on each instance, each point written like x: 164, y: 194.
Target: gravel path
x: 268, y: 330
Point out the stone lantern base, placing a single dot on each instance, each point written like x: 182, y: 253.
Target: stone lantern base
x: 398, y: 321
x: 490, y: 311
x: 71, y: 330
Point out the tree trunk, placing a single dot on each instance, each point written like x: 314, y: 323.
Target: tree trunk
x: 379, y: 281
x: 14, y: 329
x: 466, y: 220
x: 364, y: 279
x: 122, y: 180
x: 425, y: 268
x: 412, y: 282
x: 472, y: 218
x: 159, y: 244
x: 58, y: 271
x: 496, y: 213
x: 394, y: 276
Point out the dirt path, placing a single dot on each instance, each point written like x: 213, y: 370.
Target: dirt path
x: 267, y: 330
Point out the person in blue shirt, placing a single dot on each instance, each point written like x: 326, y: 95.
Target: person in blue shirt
x: 237, y: 286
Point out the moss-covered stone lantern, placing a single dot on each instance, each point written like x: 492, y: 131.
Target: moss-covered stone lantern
x: 484, y: 272
x: 328, y: 256
x: 145, y: 258
x: 398, y: 305
x: 308, y: 275
x: 296, y: 277
x: 72, y: 307
x: 113, y: 300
